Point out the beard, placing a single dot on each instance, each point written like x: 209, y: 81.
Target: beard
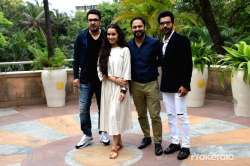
x: 167, y: 31
x: 94, y: 29
x: 139, y: 34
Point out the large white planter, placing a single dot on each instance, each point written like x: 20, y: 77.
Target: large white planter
x: 196, y: 96
x: 54, y: 82
x: 241, y: 94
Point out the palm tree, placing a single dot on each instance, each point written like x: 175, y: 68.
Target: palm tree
x: 33, y: 17
x: 149, y: 10
x: 204, y: 9
x: 48, y: 28
x: 59, y: 21
x: 208, y: 17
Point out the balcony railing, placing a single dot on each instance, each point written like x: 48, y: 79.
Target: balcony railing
x: 20, y: 66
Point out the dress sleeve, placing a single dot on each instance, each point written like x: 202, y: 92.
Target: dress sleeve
x: 127, y: 64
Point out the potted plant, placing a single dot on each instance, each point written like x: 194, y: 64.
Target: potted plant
x: 53, y: 75
x: 238, y: 60
x: 202, y: 56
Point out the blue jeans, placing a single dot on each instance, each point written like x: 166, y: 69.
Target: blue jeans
x: 86, y: 93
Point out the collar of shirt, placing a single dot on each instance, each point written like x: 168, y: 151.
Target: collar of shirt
x: 146, y: 39
x: 165, y: 42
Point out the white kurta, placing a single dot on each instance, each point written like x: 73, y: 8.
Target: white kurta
x: 115, y: 116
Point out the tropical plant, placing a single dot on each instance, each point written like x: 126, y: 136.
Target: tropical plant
x: 197, y: 34
x: 78, y: 22
x: 4, y: 23
x: 33, y: 17
x: 41, y: 59
x: 17, y: 49
x: 233, y: 35
x: 238, y: 58
x: 205, y: 10
x: 48, y: 29
x: 148, y: 9
x: 12, y: 9
x: 108, y: 12
x: 202, y: 55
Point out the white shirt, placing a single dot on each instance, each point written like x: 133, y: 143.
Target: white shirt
x: 165, y: 42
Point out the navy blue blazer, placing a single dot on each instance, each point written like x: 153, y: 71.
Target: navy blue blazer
x: 81, y: 53
x: 176, y: 64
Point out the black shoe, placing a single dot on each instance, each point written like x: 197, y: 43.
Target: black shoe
x: 183, y: 154
x: 172, y: 148
x: 158, y: 149
x: 145, y: 142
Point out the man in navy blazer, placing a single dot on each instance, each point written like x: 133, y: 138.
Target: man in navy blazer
x: 175, y: 84
x: 86, y: 50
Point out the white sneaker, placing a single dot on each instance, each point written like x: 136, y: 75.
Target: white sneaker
x: 85, y: 141
x: 104, y: 138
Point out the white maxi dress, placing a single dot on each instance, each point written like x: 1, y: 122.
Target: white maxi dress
x: 115, y: 116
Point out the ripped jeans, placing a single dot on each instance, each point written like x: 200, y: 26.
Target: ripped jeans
x: 178, y: 122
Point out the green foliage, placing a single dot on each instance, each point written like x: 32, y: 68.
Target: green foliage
x: 40, y: 57
x: 230, y: 15
x: 197, y: 34
x: 12, y: 9
x: 58, y: 59
x: 42, y: 60
x: 148, y: 9
x: 202, y: 55
x: 108, y: 12
x: 238, y: 58
x: 4, y: 22
x: 22, y: 24
x: 3, y: 42
x: 77, y: 23
x: 233, y: 35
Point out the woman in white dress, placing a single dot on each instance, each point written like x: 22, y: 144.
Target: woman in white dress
x: 114, y: 70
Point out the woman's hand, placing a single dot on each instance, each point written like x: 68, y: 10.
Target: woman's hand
x: 118, y: 81
x: 104, y: 77
x: 122, y: 96
x: 121, y: 82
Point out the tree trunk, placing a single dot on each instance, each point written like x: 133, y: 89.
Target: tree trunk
x: 208, y: 17
x: 48, y: 29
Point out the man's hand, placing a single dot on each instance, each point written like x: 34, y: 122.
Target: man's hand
x: 76, y: 83
x: 182, y: 91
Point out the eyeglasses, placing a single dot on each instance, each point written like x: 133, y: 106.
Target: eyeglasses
x: 94, y: 20
x: 165, y: 22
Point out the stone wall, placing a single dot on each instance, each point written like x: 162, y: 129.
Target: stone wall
x: 25, y: 88
x: 219, y: 85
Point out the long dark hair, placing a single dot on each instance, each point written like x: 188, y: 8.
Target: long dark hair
x: 106, y: 48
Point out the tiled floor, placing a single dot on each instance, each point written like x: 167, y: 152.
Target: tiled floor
x: 41, y: 136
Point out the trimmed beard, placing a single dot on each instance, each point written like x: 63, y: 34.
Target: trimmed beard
x: 141, y: 36
x: 94, y: 30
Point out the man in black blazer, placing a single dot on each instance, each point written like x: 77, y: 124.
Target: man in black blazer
x: 175, y: 84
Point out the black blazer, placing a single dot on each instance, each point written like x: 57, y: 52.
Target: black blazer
x: 176, y: 64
